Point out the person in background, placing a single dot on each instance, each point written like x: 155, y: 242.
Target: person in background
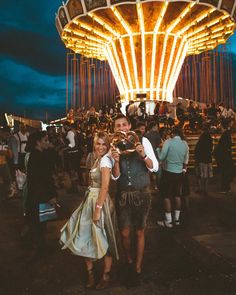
x: 155, y: 139
x: 141, y: 126
x: 191, y: 115
x: 12, y: 161
x: 223, y: 155
x: 13, y: 147
x: 92, y: 116
x: 175, y: 155
x: 22, y: 138
x: 5, y: 175
x: 141, y: 111
x: 40, y: 188
x: 153, y: 135
x: 71, y: 116
x: 212, y: 114
x: 203, y: 160
x: 72, y: 153
x: 132, y: 113
x: 180, y: 114
x: 163, y: 113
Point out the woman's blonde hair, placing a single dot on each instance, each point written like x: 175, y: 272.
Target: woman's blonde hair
x: 104, y: 136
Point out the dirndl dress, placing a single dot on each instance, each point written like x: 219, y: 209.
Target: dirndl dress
x: 81, y: 235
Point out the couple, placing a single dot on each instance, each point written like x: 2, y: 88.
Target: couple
x: 90, y: 232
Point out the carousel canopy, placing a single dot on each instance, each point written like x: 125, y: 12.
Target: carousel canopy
x: 145, y: 42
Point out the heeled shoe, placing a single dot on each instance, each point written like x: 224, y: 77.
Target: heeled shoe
x: 104, y: 283
x: 90, y: 280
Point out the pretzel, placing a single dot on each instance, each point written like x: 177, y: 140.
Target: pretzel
x: 125, y: 143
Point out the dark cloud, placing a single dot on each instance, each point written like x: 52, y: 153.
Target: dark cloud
x: 32, y: 59
x: 25, y: 89
x: 33, y: 49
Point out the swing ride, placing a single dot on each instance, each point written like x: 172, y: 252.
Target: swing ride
x: 145, y: 42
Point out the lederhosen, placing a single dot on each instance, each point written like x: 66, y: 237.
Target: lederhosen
x: 133, y: 197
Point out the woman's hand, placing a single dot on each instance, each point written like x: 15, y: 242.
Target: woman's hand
x: 96, y: 215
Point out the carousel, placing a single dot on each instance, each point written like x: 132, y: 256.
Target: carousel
x: 145, y: 43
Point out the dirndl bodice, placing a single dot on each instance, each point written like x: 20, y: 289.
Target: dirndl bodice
x: 81, y: 235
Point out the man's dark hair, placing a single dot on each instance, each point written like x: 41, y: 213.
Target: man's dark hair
x: 151, y: 125
x: 140, y: 124
x: 177, y: 131
x: 121, y: 116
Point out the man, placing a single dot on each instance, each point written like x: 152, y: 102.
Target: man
x: 192, y: 115
x: 141, y: 126
x: 180, y: 115
x: 22, y: 138
x: 175, y: 153
x: 132, y: 113
x: 133, y: 196
x: 154, y: 137
x: 72, y: 153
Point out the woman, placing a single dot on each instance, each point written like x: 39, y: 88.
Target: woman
x: 90, y: 232
x: 40, y: 187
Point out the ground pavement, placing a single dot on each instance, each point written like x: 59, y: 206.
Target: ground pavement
x: 196, y: 259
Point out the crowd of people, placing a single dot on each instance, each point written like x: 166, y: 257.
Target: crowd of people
x: 141, y: 153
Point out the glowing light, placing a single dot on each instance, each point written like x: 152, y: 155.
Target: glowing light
x: 122, y: 37
x: 105, y: 25
x: 168, y: 67
x: 114, y: 69
x: 122, y: 21
x: 197, y: 20
x: 180, y: 17
x: 134, y: 62
x: 180, y: 49
x: 141, y: 21
x: 157, y: 26
x: 119, y: 66
x: 161, y: 66
x: 92, y: 29
x: 126, y: 63
x: 180, y: 63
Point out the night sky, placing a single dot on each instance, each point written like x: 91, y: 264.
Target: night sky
x: 32, y: 59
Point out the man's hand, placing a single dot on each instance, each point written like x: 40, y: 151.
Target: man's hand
x: 140, y: 150
x: 115, y: 155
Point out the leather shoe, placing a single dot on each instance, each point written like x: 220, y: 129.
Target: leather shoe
x: 91, y: 279
x: 104, y: 283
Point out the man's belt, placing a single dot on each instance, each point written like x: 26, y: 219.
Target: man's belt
x: 131, y: 188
